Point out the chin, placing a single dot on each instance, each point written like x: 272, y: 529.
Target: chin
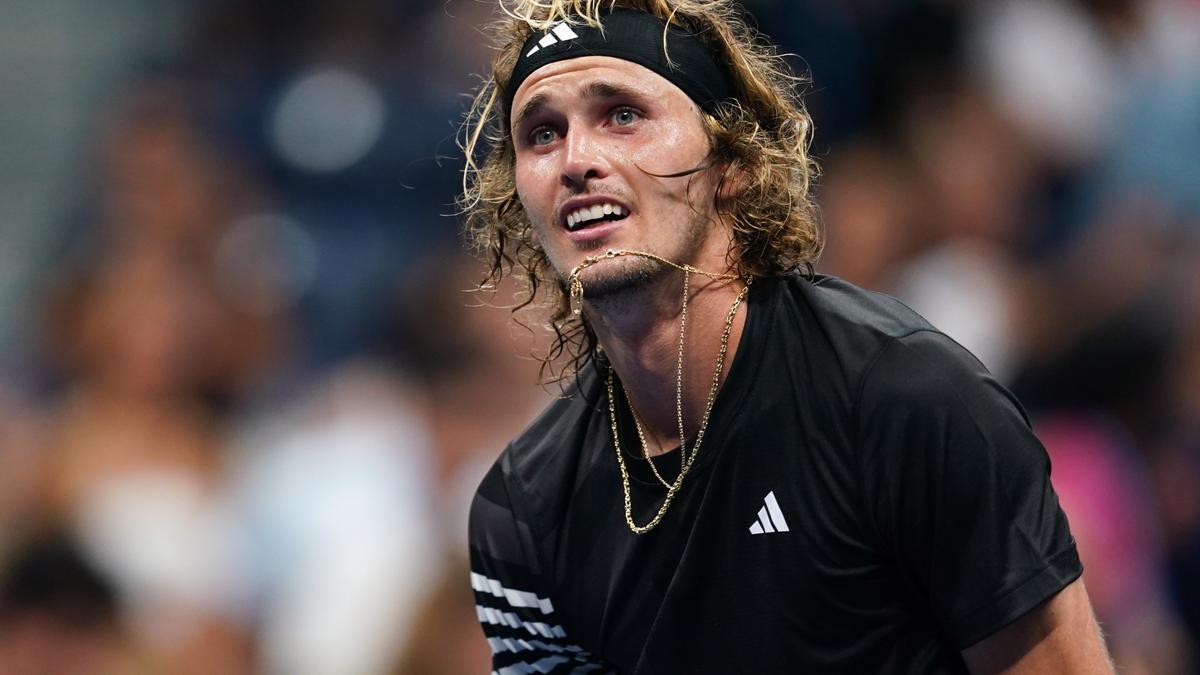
x: 614, y: 278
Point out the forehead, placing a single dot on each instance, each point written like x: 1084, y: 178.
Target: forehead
x: 572, y: 78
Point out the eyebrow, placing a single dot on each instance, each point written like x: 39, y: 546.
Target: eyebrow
x: 595, y: 90
x: 608, y: 90
x: 531, y: 107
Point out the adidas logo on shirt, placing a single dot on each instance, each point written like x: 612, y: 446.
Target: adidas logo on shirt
x: 770, y: 518
x: 561, y: 32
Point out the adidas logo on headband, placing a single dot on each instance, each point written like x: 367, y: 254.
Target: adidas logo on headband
x: 561, y: 32
x: 638, y: 37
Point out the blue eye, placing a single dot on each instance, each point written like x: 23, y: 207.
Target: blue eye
x: 542, y: 136
x: 625, y: 116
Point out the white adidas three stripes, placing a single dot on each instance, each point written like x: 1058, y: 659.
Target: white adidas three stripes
x: 770, y: 518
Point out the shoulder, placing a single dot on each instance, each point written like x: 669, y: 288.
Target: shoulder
x: 539, y: 451
x: 535, y: 471
x: 843, y: 326
x: 840, y: 305
x: 878, y: 356
x: 927, y: 368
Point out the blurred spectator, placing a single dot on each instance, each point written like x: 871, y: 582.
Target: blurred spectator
x: 337, y: 496
x: 357, y: 496
x: 60, y: 615
x: 134, y: 465
x: 150, y: 353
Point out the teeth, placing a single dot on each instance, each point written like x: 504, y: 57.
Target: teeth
x: 596, y: 212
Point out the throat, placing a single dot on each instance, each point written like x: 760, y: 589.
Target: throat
x: 688, y: 451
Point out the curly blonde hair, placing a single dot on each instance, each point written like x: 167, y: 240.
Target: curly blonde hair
x: 762, y: 138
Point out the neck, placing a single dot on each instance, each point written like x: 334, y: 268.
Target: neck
x: 640, y: 336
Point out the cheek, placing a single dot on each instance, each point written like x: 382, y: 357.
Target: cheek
x: 535, y: 191
x: 672, y: 149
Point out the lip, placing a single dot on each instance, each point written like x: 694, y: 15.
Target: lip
x: 595, y: 232
x: 579, y: 202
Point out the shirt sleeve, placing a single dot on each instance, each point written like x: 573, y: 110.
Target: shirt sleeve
x: 959, y: 488
x: 518, y: 617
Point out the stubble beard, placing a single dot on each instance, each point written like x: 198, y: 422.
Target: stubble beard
x: 618, y: 285
x: 615, y: 285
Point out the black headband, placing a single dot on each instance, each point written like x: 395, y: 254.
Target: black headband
x: 633, y: 36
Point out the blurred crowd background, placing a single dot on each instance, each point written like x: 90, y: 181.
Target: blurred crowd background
x: 245, y: 396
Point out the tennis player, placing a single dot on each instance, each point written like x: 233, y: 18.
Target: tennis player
x: 756, y: 469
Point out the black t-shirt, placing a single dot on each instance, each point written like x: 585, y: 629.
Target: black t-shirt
x: 867, y: 499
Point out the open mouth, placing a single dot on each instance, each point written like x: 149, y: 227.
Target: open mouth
x: 588, y: 216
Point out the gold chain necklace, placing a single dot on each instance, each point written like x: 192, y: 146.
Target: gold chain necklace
x: 637, y: 424
x: 687, y: 459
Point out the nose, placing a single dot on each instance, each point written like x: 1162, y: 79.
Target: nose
x: 584, y: 158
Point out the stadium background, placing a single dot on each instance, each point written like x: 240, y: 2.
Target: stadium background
x: 243, y: 402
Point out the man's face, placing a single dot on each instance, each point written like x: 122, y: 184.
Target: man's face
x: 588, y: 133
